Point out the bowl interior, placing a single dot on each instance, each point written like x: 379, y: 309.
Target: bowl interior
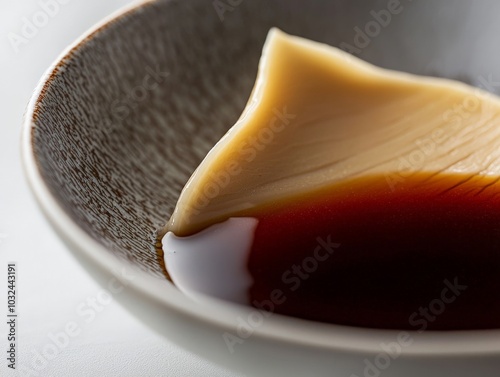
x: 127, y: 116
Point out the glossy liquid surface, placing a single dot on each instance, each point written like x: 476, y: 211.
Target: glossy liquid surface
x: 318, y: 114
x: 419, y: 253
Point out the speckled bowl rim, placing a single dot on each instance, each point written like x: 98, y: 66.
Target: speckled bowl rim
x: 221, y: 314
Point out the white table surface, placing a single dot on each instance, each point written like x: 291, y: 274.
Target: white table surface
x: 51, y: 284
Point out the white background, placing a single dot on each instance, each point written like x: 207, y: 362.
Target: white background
x: 51, y: 284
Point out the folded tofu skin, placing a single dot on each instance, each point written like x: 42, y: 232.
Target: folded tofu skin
x: 319, y: 117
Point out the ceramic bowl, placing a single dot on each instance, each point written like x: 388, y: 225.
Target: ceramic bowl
x: 121, y: 120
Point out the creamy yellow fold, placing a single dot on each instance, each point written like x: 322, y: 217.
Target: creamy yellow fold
x: 318, y: 116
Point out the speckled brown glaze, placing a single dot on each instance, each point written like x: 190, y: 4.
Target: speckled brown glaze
x: 116, y: 163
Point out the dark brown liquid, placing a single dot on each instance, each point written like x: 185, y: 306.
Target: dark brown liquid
x: 425, y: 255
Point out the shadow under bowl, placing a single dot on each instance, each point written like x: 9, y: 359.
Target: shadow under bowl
x: 119, y: 123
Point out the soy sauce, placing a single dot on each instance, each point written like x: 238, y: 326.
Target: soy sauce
x: 418, y: 253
